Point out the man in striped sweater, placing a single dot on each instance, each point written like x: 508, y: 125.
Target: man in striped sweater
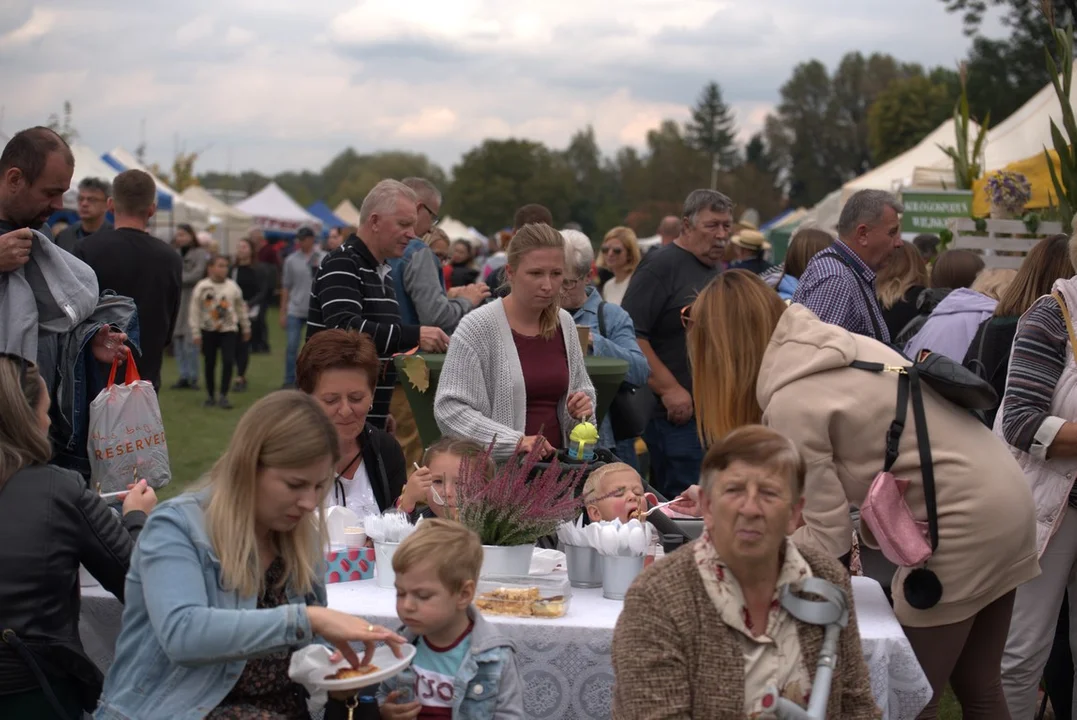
x: 354, y: 291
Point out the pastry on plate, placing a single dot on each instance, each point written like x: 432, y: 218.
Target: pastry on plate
x: 347, y: 673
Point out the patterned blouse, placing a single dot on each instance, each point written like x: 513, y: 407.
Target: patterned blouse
x: 264, y: 691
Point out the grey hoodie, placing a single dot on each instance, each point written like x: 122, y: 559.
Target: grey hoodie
x: 50, y: 295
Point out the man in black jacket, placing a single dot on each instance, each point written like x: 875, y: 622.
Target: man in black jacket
x: 93, y: 205
x: 353, y: 289
x: 131, y: 262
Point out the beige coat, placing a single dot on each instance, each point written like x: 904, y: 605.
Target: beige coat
x: 839, y: 416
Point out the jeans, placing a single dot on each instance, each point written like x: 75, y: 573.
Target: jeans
x: 295, y: 327
x: 625, y: 450
x: 186, y: 358
x: 675, y: 453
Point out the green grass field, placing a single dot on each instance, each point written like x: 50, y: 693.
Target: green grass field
x: 197, y: 436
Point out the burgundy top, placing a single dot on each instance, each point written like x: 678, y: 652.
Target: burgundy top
x: 545, y: 368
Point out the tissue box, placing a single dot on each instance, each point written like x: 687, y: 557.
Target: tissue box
x: 348, y: 564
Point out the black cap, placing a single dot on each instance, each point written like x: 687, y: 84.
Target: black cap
x: 304, y: 232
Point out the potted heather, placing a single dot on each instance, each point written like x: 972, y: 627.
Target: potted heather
x: 1008, y: 193
x: 512, y: 510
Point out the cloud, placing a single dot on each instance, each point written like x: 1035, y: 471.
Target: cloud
x: 278, y: 84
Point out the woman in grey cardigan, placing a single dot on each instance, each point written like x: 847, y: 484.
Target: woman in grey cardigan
x: 515, y: 372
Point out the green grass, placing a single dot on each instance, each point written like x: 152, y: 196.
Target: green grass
x: 197, y: 436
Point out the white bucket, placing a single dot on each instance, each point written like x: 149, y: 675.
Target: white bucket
x: 383, y: 565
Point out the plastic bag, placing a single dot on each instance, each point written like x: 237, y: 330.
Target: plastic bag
x: 127, y: 436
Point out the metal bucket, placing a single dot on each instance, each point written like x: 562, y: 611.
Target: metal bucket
x: 584, y: 567
x: 618, y: 573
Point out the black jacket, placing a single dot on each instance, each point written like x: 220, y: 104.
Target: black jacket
x: 50, y: 523
x: 989, y: 356
x: 385, y: 466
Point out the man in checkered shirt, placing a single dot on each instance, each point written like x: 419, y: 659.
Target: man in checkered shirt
x: 839, y: 283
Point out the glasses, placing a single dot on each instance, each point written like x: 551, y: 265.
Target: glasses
x: 570, y: 284
x: 612, y: 250
x: 686, y: 317
x: 434, y: 218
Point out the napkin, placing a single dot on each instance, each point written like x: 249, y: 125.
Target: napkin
x: 305, y: 665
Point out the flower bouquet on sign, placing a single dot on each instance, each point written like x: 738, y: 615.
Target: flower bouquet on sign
x: 518, y: 505
x: 1008, y: 193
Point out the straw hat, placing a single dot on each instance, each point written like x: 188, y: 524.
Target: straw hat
x: 751, y: 239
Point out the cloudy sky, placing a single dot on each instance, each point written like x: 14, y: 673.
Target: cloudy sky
x: 285, y: 84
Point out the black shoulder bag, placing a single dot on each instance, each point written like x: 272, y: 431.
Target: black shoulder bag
x: 632, y: 406
x: 922, y: 587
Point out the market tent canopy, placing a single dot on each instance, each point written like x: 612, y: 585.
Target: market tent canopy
x: 900, y: 172
x: 88, y: 164
x: 172, y: 209
x: 826, y: 213
x: 321, y: 211
x: 227, y: 223
x: 1027, y: 131
x: 347, y: 212
x: 274, y: 209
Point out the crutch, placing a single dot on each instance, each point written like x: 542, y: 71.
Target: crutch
x: 833, y: 612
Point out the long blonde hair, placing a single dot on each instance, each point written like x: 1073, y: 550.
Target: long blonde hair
x: 628, y: 238
x: 537, y: 236
x: 905, y: 269
x: 731, y: 324
x: 284, y: 430
x: 23, y: 442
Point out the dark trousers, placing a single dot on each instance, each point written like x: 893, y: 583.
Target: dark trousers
x: 675, y: 453
x: 259, y: 333
x: 225, y: 343
x: 243, y: 357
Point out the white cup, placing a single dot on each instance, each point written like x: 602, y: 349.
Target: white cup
x: 354, y: 537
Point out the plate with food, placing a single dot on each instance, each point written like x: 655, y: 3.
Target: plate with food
x: 382, y: 666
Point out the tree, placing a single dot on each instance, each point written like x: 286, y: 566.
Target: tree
x: 856, y: 84
x: 1018, y: 11
x: 712, y: 130
x: 598, y: 201
x: 756, y: 154
x: 63, y: 126
x: 904, y: 114
x: 491, y: 181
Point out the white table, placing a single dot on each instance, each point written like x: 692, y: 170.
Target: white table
x: 565, y: 662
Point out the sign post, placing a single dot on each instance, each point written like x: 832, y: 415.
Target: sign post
x: 927, y: 211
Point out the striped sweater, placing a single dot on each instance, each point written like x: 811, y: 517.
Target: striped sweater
x: 353, y: 291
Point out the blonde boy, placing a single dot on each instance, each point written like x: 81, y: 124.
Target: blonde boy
x: 460, y: 659
x: 613, y: 492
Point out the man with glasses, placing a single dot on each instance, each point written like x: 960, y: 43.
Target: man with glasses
x: 420, y: 293
x: 93, y: 204
x: 659, y: 289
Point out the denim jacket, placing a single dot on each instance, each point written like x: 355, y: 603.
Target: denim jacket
x: 487, y: 686
x: 408, y: 314
x: 620, y: 342
x: 185, y: 639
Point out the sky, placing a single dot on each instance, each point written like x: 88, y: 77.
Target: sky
x: 275, y: 85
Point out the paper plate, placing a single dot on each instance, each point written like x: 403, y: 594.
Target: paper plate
x: 388, y: 666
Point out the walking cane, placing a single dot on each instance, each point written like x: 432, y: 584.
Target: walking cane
x: 833, y: 612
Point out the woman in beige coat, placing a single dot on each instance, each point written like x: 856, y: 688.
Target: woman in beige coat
x: 791, y: 371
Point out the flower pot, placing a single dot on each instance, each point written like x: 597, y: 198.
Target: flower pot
x: 584, y: 567
x: 1000, y: 212
x: 501, y: 560
x: 383, y: 564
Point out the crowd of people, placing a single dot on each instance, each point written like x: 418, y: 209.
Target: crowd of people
x: 769, y: 411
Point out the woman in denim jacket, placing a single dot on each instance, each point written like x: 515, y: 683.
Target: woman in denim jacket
x: 225, y: 583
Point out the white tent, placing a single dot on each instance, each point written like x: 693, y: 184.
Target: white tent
x: 347, y: 212
x: 88, y: 164
x: 172, y: 209
x: 228, y: 224
x: 826, y: 213
x: 457, y: 230
x: 274, y: 209
x: 902, y: 171
x: 1027, y: 131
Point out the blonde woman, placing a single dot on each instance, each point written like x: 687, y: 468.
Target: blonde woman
x: 994, y: 282
x: 620, y: 255
x: 515, y: 371
x: 898, y: 286
x: 226, y: 581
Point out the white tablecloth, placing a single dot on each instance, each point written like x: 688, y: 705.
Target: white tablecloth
x: 565, y: 662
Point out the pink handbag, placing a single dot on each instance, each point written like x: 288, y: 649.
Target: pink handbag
x: 901, y: 537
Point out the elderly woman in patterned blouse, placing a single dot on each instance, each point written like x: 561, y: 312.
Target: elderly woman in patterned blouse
x: 702, y: 634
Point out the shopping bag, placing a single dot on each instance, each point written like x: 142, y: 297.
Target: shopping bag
x: 127, y: 437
